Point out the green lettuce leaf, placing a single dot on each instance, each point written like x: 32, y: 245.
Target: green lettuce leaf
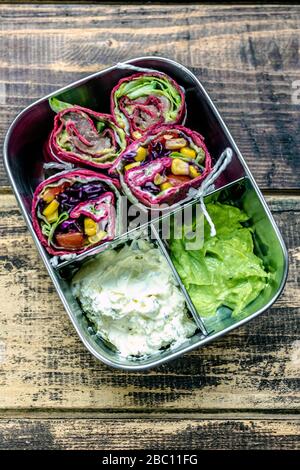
x: 225, y: 271
x: 100, y: 126
x: 149, y: 85
x: 49, y: 229
x: 57, y: 105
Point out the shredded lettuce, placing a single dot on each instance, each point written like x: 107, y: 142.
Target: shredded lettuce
x: 150, y: 85
x: 186, y: 159
x: 225, y: 272
x: 179, y: 155
x: 49, y: 229
x: 200, y: 156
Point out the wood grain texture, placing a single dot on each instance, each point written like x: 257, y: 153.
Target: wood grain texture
x: 44, y: 366
x: 241, y: 392
x: 154, y: 434
x: 246, y: 56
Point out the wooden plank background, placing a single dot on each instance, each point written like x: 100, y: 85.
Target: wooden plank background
x: 159, y: 434
x: 241, y: 391
x: 246, y: 56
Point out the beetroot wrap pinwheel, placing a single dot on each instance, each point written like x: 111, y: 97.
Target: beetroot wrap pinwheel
x: 144, y: 100
x: 75, y: 210
x: 84, y: 137
x: 162, y: 166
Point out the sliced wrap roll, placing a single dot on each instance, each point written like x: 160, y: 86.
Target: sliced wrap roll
x: 162, y: 166
x: 75, y: 210
x: 84, y: 137
x: 144, y: 100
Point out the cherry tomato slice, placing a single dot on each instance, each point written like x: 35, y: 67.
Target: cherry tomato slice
x: 72, y: 240
x: 51, y: 193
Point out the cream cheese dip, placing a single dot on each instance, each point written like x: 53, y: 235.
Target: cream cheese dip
x: 132, y: 299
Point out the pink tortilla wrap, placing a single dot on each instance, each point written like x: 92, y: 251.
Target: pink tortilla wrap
x: 102, y: 207
x: 135, y: 180
x: 140, y: 115
x: 76, y: 139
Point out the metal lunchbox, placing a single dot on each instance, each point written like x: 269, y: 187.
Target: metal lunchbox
x: 23, y: 160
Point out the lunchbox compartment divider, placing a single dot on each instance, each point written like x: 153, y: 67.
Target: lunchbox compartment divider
x: 189, y: 302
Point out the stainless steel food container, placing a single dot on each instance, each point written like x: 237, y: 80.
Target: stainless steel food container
x: 24, y: 165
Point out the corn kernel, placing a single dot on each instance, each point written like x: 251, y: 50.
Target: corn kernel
x: 174, y: 144
x: 51, y: 208
x: 52, y: 217
x: 188, y: 152
x: 140, y: 154
x: 131, y: 165
x: 194, y: 172
x: 159, y: 179
x: 179, y: 167
x: 165, y: 186
x: 90, y: 227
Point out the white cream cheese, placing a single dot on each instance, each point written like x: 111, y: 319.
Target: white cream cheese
x: 132, y: 299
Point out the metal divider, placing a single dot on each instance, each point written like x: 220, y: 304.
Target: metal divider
x: 189, y: 302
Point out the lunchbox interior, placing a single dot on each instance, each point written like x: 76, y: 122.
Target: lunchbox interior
x: 24, y: 162
x: 267, y: 246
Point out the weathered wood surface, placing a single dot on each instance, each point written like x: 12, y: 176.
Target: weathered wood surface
x: 44, y: 366
x: 154, y: 434
x: 241, y: 391
x: 246, y: 56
